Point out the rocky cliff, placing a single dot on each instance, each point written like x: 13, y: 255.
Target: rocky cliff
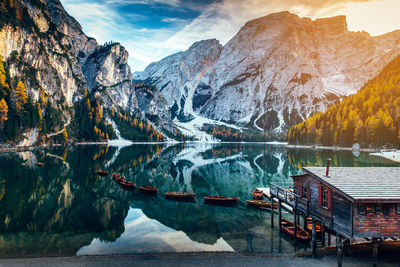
x: 276, y: 71
x: 178, y: 75
x: 46, y: 48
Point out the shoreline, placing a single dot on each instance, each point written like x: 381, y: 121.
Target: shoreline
x: 341, y: 148
x: 380, y: 152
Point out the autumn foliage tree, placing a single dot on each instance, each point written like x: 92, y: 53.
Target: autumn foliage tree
x: 20, y: 97
x: 3, y: 113
x: 369, y: 117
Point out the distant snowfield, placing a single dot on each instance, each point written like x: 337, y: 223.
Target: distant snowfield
x: 193, y: 128
x: 392, y: 155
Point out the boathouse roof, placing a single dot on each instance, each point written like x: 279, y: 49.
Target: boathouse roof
x: 362, y: 183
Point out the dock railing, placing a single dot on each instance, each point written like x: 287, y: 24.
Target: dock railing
x: 284, y: 195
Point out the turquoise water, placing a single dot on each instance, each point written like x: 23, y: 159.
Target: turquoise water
x: 63, y: 208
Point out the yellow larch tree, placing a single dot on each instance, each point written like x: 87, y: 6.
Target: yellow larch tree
x: 3, y: 113
x: 21, y: 97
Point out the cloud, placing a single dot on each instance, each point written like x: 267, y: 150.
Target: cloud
x: 154, y: 29
x: 222, y: 20
x: 174, y: 3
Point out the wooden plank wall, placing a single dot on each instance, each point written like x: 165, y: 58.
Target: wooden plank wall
x: 376, y: 225
x: 337, y: 218
x: 341, y: 214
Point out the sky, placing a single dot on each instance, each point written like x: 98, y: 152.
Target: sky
x: 153, y: 29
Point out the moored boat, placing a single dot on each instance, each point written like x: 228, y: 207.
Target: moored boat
x: 258, y: 194
x: 261, y: 203
x: 288, y: 228
x: 148, y: 189
x: 41, y: 164
x: 120, y: 179
x: 102, y: 173
x: 127, y: 185
x: 220, y: 200
x: 115, y: 175
x: 179, y: 196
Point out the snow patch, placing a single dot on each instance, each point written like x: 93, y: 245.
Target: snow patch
x: 120, y: 141
x: 193, y: 128
x: 392, y: 155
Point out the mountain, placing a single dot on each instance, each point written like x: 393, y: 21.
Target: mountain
x: 178, y: 75
x: 58, y: 84
x: 371, y: 117
x: 275, y: 72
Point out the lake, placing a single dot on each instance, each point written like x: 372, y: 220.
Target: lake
x: 64, y: 208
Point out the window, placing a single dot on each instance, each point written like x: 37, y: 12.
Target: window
x: 378, y: 208
x: 397, y: 208
x: 386, y: 209
x: 305, y: 192
x: 324, y: 200
x: 361, y: 209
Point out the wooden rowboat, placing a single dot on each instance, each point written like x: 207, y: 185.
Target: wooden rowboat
x: 220, y: 200
x: 127, y: 185
x: 180, y: 196
x: 148, y: 189
x: 102, y: 173
x: 115, y: 175
x: 120, y: 179
x: 288, y: 228
x: 261, y: 203
x: 258, y: 194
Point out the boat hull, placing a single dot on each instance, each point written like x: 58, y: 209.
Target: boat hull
x: 219, y: 200
x: 180, y: 196
x: 127, y: 186
x: 261, y: 204
x: 148, y: 190
x: 288, y: 228
x: 258, y: 194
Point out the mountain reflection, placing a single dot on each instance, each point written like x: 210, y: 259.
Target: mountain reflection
x: 63, y: 207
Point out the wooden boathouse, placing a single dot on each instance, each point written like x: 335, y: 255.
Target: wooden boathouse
x: 352, y: 203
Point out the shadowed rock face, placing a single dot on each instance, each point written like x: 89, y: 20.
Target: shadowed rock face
x: 277, y: 69
x: 63, y: 61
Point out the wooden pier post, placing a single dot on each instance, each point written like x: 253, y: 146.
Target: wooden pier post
x: 295, y: 221
x: 323, y: 236
x: 339, y: 250
x: 272, y: 212
x: 374, y: 252
x: 280, y: 215
x: 314, y: 238
x: 329, y: 239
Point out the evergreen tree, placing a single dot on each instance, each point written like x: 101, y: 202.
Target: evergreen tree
x: 369, y: 117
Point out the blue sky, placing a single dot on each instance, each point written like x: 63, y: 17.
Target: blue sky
x: 153, y: 29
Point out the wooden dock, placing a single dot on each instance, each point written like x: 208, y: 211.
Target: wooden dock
x: 267, y: 194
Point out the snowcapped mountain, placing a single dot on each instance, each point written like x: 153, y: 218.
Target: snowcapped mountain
x: 178, y: 75
x: 275, y: 72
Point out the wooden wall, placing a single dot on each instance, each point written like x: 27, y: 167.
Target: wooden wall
x: 376, y: 225
x: 338, y: 217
